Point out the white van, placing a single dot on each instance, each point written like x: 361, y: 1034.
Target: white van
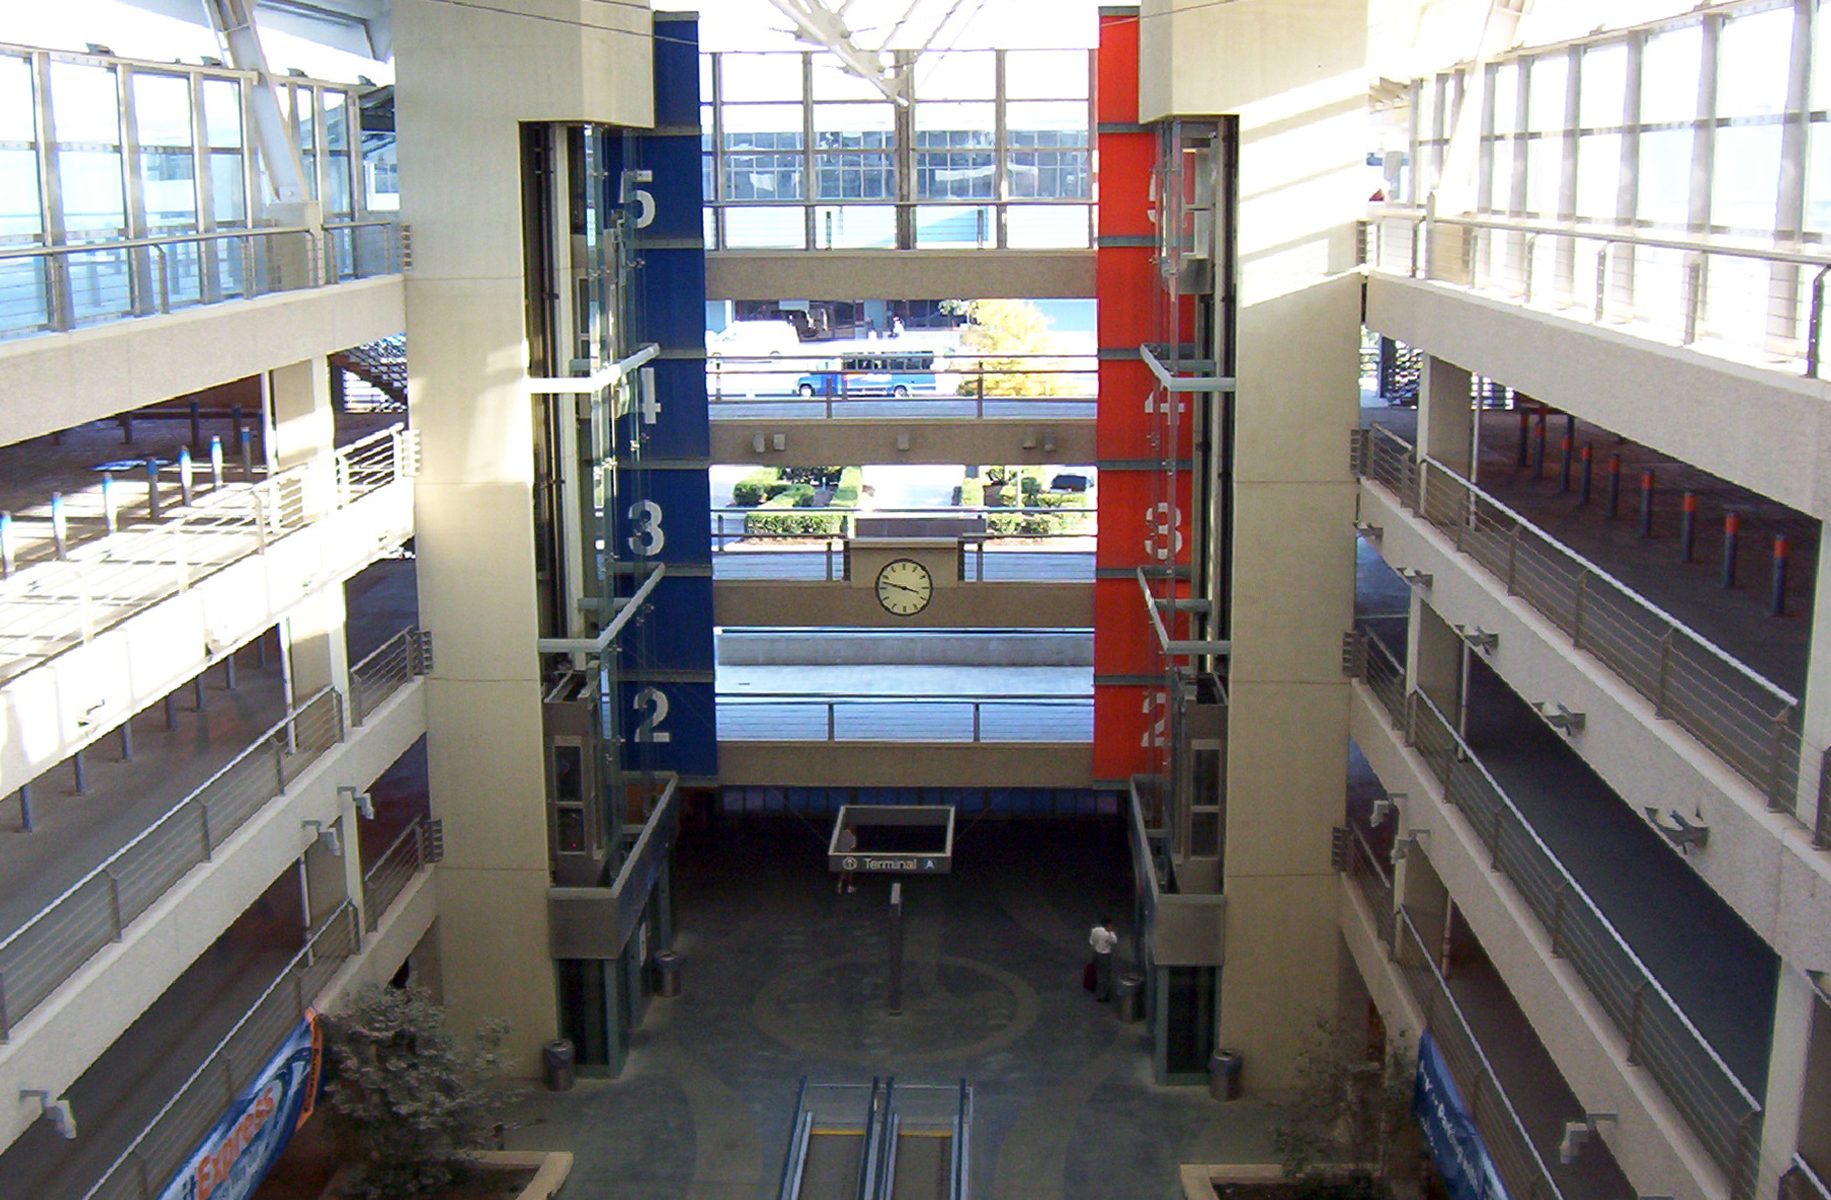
x: 739, y: 359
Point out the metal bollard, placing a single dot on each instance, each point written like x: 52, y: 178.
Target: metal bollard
x: 1732, y: 533
x: 171, y: 712
x: 229, y: 671
x: 127, y: 429
x: 184, y: 475
x: 235, y: 416
x: 152, y: 488
x: 1646, y: 504
x: 1564, y: 464
x: 260, y: 652
x: 127, y: 741
x: 60, y: 529
x: 1614, y: 485
x: 79, y: 774
x: 247, y: 440
x: 1687, y: 526
x: 6, y: 544
x: 1586, y: 460
x: 110, y: 518
x: 197, y: 692
x: 25, y: 807
x: 1777, y: 598
x: 1538, y: 448
x: 196, y: 424
x: 1525, y: 434
x: 216, y: 461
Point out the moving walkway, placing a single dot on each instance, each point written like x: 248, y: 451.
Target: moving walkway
x: 878, y: 1141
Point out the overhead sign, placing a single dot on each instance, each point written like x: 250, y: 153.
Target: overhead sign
x: 243, y: 1146
x: 902, y: 839
x: 1456, y: 1146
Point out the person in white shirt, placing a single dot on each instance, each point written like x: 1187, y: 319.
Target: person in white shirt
x: 848, y: 842
x: 1103, y: 940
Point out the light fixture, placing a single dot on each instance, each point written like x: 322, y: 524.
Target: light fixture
x: 1576, y: 1133
x: 1416, y: 578
x: 363, y: 802
x: 327, y: 836
x: 1403, y: 845
x: 1561, y: 718
x: 1478, y: 638
x: 58, y: 1112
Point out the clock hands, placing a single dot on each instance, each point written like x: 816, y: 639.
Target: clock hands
x: 901, y: 587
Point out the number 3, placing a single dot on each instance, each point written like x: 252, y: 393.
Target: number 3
x: 646, y: 539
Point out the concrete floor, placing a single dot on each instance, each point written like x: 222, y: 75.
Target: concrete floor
x: 783, y: 980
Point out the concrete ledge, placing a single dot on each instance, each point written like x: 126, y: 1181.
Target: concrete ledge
x: 1762, y: 428
x: 906, y: 764
x: 1649, y: 762
x: 815, y: 441
x: 1650, y: 1141
x: 57, y: 380
x: 1399, y: 1009
x: 56, y: 1043
x: 1063, y: 604
x: 401, y: 929
x: 968, y: 274
x: 551, y: 1169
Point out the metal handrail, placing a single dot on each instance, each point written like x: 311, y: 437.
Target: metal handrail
x: 834, y: 702
x: 383, y: 670
x: 1801, y: 1182
x: 169, y: 239
x: 1376, y: 885
x: 385, y: 879
x: 1608, y: 233
x: 320, y: 951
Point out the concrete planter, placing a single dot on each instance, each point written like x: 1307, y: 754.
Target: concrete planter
x: 1204, y: 1181
x: 551, y: 1169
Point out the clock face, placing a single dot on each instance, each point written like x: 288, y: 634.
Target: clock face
x: 904, y: 587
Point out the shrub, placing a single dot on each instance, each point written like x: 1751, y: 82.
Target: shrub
x: 970, y: 493
x: 408, y: 1092
x: 1031, y: 487
x: 789, y: 522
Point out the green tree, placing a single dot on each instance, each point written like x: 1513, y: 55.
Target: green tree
x: 409, y: 1093
x: 1343, y: 1131
x: 1000, y: 330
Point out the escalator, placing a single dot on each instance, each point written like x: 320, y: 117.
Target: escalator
x: 878, y: 1141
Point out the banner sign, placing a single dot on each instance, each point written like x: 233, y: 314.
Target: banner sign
x: 243, y: 1146
x: 1456, y: 1146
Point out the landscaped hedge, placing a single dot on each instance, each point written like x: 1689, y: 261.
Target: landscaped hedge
x: 788, y: 521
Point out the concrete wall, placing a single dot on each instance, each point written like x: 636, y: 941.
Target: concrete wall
x: 52, y: 1046
x: 907, y: 764
x: 818, y: 441
x: 954, y: 606
x: 1294, y: 76
x: 467, y: 78
x: 1758, y: 427
x: 899, y: 274
x: 63, y: 379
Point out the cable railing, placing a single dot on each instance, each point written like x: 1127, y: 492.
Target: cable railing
x: 1521, y: 1168
x: 156, y: 1153
x: 1746, y: 721
x: 386, y: 669
x: 40, y: 955
x: 388, y: 876
x: 1369, y: 874
x: 1019, y: 223
x: 53, y: 289
x: 911, y: 375
x: 1383, y: 673
x: 867, y: 717
x: 55, y: 604
x: 1762, y: 300
x: 1722, y: 1112
x: 1024, y: 544
x: 1801, y: 1182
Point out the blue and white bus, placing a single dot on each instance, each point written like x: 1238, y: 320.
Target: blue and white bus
x: 872, y: 370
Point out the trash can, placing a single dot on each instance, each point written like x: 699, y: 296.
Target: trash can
x: 1224, y: 1074
x: 557, y: 1065
x: 667, y: 973
x: 1128, y: 996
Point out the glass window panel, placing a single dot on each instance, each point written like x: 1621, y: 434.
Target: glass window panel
x: 19, y: 215
x: 168, y: 188
x: 847, y: 176
x: 162, y: 109
x: 1752, y: 55
x: 1046, y: 226
x: 1046, y: 74
x: 1546, y: 102
x: 17, y: 123
x: 84, y: 103
x: 834, y: 82
x: 1050, y: 174
x: 705, y: 77
x: 706, y: 130
x: 855, y: 227
x: 228, y: 194
x: 337, y: 192
x: 958, y: 75
x: 761, y: 77
x: 222, y: 112
x: 1506, y: 98
x: 1818, y: 178
x: 1502, y: 196
x: 1604, y: 85
x: 91, y: 183
x: 24, y: 304
x: 955, y: 225
x: 705, y: 175
x: 778, y: 124
x: 854, y: 126
x: 304, y: 113
x: 1664, y: 176
x: 1820, y: 95
x: 954, y: 125
x: 761, y: 228
x: 101, y: 287
x: 1669, y: 76
x: 1051, y: 116
x: 954, y: 174
x: 309, y: 163
x: 1745, y: 177
x: 1425, y: 93
x: 1598, y: 175
x: 1544, y: 168
x: 337, y: 120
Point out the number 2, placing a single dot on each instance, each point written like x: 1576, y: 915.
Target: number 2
x: 654, y: 702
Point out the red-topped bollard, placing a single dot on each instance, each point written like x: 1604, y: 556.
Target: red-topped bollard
x: 1777, y: 596
x: 1538, y: 447
x: 1586, y: 458
x: 1525, y: 435
x: 1732, y: 533
x: 1646, y: 504
x: 1614, y: 485
x: 1687, y: 526
x: 1564, y: 463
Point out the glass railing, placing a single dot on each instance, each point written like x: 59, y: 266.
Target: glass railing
x: 1016, y: 224
x: 861, y: 717
x: 915, y: 375
x: 1024, y: 544
x: 1760, y: 302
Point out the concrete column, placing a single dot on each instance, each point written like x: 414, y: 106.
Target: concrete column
x: 1446, y: 420
x: 1433, y: 659
x: 326, y: 874
x: 467, y: 78
x: 303, y: 433
x: 1293, y: 76
x: 1815, y: 727
x: 1798, y: 1100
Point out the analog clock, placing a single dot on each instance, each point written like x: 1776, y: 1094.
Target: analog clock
x: 904, y: 587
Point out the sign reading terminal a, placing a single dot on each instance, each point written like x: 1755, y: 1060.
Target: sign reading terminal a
x: 905, y: 839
